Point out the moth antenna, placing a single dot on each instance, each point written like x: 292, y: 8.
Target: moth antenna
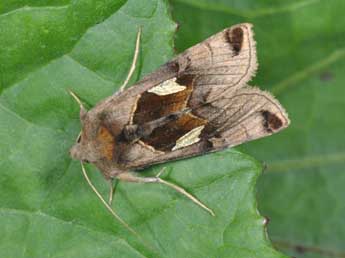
x: 134, y: 61
x: 115, y: 215
x: 77, y: 99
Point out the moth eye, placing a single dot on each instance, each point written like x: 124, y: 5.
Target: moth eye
x: 86, y: 161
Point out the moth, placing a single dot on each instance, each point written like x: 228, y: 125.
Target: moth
x: 197, y: 103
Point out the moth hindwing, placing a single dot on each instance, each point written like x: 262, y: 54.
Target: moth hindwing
x: 199, y: 102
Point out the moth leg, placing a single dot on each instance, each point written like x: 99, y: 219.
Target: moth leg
x: 161, y: 172
x: 107, y: 206
x: 134, y: 61
x: 112, y: 188
x: 133, y: 177
x: 111, y: 191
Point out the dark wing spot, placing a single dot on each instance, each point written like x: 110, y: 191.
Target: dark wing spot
x: 235, y: 38
x: 271, y: 121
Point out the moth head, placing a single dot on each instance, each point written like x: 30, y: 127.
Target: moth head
x: 95, y: 141
x: 77, y: 152
x: 80, y: 150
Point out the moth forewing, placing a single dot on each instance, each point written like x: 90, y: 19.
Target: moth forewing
x: 196, y: 103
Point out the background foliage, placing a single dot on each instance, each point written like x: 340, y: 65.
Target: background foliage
x: 46, y: 208
x: 301, y: 48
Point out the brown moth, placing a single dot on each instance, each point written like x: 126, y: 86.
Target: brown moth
x: 197, y: 103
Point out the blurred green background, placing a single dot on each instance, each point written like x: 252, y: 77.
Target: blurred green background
x: 301, y: 51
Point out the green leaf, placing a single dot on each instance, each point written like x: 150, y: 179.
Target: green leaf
x: 301, y: 60
x: 46, y: 207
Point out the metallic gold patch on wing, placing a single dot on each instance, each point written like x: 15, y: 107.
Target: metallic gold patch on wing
x: 189, y: 138
x: 106, y: 142
x: 167, y: 87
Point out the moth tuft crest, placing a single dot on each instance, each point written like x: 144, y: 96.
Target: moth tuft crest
x: 186, y: 79
x: 82, y: 114
x: 173, y: 66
